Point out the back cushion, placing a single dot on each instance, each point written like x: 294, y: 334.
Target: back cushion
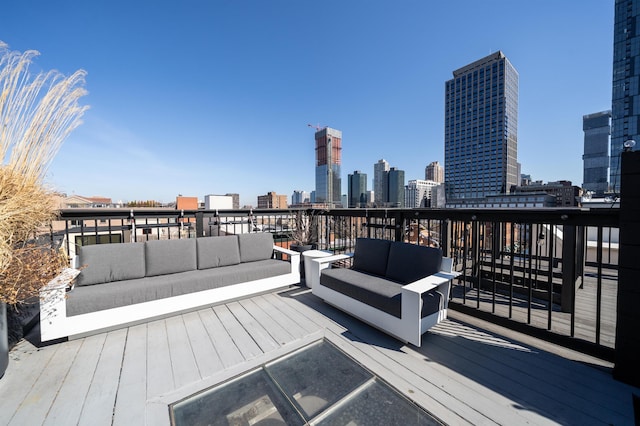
x: 409, y: 262
x: 217, y: 251
x: 103, y: 263
x: 371, y: 256
x: 254, y: 247
x: 170, y: 256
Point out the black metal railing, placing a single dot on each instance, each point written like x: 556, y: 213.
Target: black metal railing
x: 548, y: 272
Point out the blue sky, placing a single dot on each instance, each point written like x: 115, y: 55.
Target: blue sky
x: 214, y: 96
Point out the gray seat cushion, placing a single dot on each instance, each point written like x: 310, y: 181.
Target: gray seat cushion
x: 371, y: 256
x: 82, y: 300
x: 217, y: 251
x: 170, y: 256
x: 377, y: 292
x: 257, y: 246
x: 410, y: 262
x: 103, y: 263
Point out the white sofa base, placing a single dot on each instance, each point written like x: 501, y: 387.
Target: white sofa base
x: 410, y: 326
x: 55, y: 324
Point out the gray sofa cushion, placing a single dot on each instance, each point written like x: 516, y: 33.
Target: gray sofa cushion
x: 371, y: 256
x: 410, y: 262
x: 104, y: 263
x: 217, y: 251
x: 82, y: 300
x: 258, y: 246
x: 377, y: 292
x: 170, y: 256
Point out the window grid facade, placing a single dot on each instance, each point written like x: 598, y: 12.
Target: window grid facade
x: 481, y: 127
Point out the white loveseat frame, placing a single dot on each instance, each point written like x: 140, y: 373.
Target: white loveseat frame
x: 410, y: 327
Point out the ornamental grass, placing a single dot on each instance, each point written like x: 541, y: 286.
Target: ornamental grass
x: 37, y: 113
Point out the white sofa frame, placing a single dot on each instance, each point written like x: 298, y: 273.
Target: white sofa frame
x: 410, y: 326
x: 55, y: 324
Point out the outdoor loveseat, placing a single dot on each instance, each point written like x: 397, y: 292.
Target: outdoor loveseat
x: 400, y: 288
x: 123, y: 284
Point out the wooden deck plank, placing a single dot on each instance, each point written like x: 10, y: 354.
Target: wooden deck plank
x: 516, y: 374
x: 132, y: 390
x: 293, y: 316
x: 279, y: 335
x: 26, y: 366
x: 222, y: 341
x: 183, y: 363
x: 204, y: 351
x: 37, y: 402
x: 485, y: 366
x: 159, y: 371
x: 101, y: 397
x: 69, y: 401
x: 243, y: 340
x: 293, y: 329
x: 258, y: 333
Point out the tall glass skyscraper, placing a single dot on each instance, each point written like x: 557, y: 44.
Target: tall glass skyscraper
x: 597, y: 129
x: 481, y: 129
x: 625, y: 99
x: 328, y: 164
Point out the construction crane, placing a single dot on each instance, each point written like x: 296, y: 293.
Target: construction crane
x: 317, y: 127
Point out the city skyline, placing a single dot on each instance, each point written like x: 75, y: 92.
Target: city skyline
x: 202, y: 99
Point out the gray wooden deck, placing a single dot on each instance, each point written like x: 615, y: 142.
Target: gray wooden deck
x: 462, y: 374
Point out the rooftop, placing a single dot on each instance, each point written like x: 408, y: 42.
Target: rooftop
x: 466, y: 371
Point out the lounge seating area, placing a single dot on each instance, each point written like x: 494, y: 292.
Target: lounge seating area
x: 124, y: 284
x: 402, y: 289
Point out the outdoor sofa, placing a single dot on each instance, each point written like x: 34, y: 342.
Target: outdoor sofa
x: 399, y: 288
x: 123, y: 284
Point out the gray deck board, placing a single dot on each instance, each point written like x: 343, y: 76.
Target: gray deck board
x: 183, y: 363
x: 227, y: 350
x: 257, y: 332
x: 159, y: 371
x: 30, y: 368
x: 101, y: 397
x: 132, y: 391
x: 462, y: 374
x: 242, y: 339
x: 37, y: 402
x: 67, y: 406
x: 204, y: 351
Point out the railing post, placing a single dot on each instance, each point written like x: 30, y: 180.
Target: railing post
x: 627, y: 349
x: 200, y: 224
x: 569, y: 267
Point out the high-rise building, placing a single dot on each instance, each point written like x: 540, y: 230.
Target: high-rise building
x: 434, y: 172
x: 328, y: 163
x: 272, y: 201
x: 380, y: 182
x: 417, y: 193
x: 300, y: 197
x: 481, y: 127
x: 396, y: 187
x: 357, y: 189
x: 597, y: 129
x: 625, y: 98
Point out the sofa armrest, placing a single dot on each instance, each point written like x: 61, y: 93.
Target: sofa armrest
x: 412, y: 292
x: 429, y: 283
x: 320, y: 263
x: 286, y: 251
x: 62, y: 281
